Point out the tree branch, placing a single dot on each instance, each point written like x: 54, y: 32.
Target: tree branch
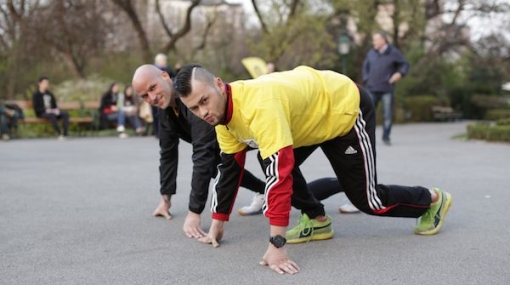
x: 162, y: 19
x: 262, y: 23
x: 127, y: 7
x: 206, y: 32
x: 184, y: 30
x: 293, y: 8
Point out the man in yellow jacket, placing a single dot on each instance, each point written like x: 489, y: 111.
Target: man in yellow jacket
x: 287, y: 115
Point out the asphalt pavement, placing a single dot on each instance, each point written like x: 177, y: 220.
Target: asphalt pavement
x: 79, y: 212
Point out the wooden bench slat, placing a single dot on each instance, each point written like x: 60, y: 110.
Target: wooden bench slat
x: 62, y: 105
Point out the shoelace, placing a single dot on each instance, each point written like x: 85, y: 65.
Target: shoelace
x: 308, y: 227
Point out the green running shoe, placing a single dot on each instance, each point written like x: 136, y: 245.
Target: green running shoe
x: 431, y: 222
x: 309, y: 229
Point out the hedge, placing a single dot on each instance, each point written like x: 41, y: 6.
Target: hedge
x: 420, y: 107
x: 486, y: 131
x: 497, y: 114
x: 503, y: 122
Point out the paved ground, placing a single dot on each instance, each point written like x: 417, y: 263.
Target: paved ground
x: 79, y: 212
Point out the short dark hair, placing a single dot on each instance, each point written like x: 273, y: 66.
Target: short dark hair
x: 383, y: 34
x: 42, y: 78
x: 182, y: 81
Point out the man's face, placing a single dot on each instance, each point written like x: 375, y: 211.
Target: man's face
x: 378, y: 41
x: 206, y: 101
x: 155, y: 88
x: 115, y: 88
x: 44, y: 85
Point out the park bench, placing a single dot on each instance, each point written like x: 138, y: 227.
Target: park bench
x: 441, y: 113
x: 87, y: 113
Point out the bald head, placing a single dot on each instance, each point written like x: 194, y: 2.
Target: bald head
x: 153, y: 86
x: 144, y: 72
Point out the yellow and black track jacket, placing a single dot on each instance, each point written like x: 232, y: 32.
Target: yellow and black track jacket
x: 276, y: 113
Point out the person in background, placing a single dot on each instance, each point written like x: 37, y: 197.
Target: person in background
x: 271, y: 67
x: 128, y: 103
x: 384, y: 66
x: 109, y: 110
x: 4, y: 127
x: 161, y: 62
x: 45, y: 106
x: 177, y: 67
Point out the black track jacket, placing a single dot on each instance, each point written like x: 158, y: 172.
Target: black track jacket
x: 179, y: 123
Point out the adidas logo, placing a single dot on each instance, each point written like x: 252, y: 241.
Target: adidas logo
x: 350, y: 150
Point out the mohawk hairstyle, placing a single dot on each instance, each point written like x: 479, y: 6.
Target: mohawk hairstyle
x: 182, y: 82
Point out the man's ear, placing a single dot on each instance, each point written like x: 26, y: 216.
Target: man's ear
x: 219, y: 84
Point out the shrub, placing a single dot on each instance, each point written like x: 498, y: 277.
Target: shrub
x: 488, y: 101
x: 477, y: 131
x: 486, y: 131
x: 503, y: 122
x: 82, y: 90
x: 420, y: 107
x: 497, y: 114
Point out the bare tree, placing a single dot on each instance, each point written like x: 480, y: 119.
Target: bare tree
x: 131, y: 11
x: 454, y: 33
x: 173, y: 37
x: 13, y: 27
x: 75, y: 29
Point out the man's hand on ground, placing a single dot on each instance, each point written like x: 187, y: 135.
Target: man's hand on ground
x: 192, y: 227
x: 215, y: 234
x: 278, y: 260
x: 163, y: 208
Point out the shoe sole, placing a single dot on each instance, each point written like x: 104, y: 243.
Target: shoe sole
x: 241, y: 213
x: 443, y: 215
x: 349, y: 212
x: 323, y: 236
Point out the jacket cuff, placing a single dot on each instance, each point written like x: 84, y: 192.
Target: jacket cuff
x: 279, y: 222
x: 196, y: 210
x: 220, y: 217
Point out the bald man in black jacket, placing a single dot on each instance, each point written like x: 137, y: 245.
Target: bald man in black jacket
x: 177, y: 122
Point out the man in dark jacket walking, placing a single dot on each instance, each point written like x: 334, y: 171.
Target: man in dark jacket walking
x: 384, y: 65
x: 45, y: 106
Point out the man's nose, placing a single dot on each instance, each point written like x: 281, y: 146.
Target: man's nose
x: 151, y: 96
x: 203, y: 112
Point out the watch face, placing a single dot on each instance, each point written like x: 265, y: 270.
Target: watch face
x: 278, y: 241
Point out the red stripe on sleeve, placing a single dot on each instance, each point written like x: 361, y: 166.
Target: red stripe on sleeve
x: 279, y: 186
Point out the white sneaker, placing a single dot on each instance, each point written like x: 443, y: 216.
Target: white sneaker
x: 121, y: 129
x: 348, y: 208
x: 254, y: 208
x: 62, y: 138
x: 5, y: 137
x: 123, y: 135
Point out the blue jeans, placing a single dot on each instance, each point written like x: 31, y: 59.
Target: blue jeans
x: 119, y: 116
x: 387, y: 105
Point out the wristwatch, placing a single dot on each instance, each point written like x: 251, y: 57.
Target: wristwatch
x: 278, y: 241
